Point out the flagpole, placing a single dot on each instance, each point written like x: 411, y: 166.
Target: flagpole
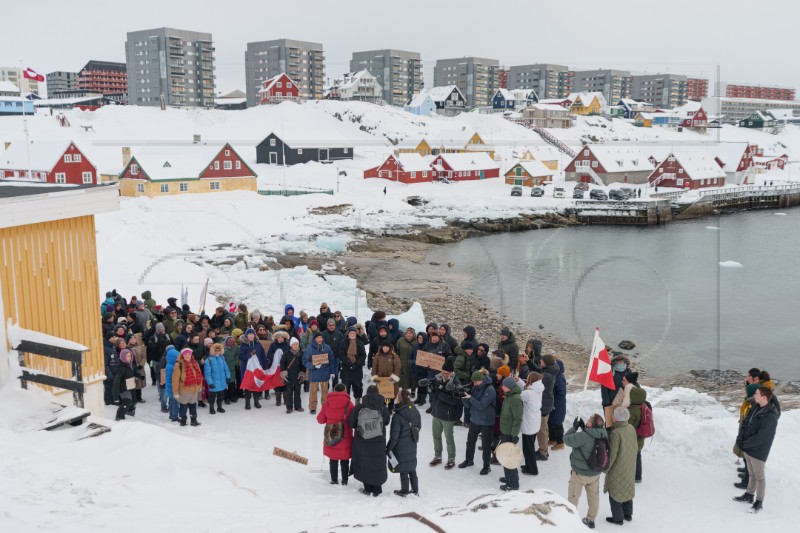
x: 588, y: 371
x: 25, y: 122
x: 205, y: 295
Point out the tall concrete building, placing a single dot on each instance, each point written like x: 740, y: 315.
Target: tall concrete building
x: 105, y: 77
x: 614, y: 84
x: 175, y: 64
x: 549, y: 81
x: 14, y: 75
x: 763, y: 92
x: 477, y: 78
x: 661, y: 90
x: 60, y: 81
x: 302, y: 61
x: 696, y: 89
x: 399, y: 73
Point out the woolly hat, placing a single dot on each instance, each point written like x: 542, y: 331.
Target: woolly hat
x: 504, y: 371
x: 351, y: 328
x: 208, y: 341
x: 477, y: 376
x: 230, y: 342
x: 331, y: 321
x: 467, y: 345
x: 621, y: 414
x: 293, y: 342
x: 313, y: 322
x: 509, y: 382
x: 248, y: 331
x: 505, y: 332
x: 548, y: 359
x: 317, y: 334
x: 160, y: 328
x: 187, y: 351
x: 632, y: 377
x: 237, y: 333
x: 107, y: 315
x: 448, y: 365
x: 386, y: 342
x: 122, y: 320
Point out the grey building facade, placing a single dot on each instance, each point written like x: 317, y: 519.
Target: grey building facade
x: 614, y: 84
x: 302, y: 61
x: 477, y: 78
x: 177, y: 64
x: 661, y: 90
x: 549, y: 81
x: 399, y: 73
x: 61, y: 80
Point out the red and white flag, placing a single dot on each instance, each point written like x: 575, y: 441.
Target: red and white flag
x: 30, y: 74
x: 600, y: 364
x: 256, y: 379
x: 273, y: 373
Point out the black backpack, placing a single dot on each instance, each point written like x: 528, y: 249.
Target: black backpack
x: 599, y: 457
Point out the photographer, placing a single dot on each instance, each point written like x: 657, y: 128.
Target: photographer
x: 446, y: 409
x: 482, y: 406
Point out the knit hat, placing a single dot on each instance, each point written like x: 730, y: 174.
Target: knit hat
x: 448, y: 365
x: 386, y: 342
x: 477, y: 376
x: 160, y: 328
x: 317, y: 334
x: 351, y: 328
x: 505, y: 332
x: 632, y: 377
x: 331, y: 321
x: 230, y: 342
x: 467, y: 345
x: 504, y: 371
x: 509, y: 382
x: 208, y: 341
x: 121, y: 320
x: 187, y: 351
x: 313, y: 322
x: 293, y: 342
x: 621, y: 414
x: 548, y: 359
x: 107, y: 315
x: 236, y: 333
x: 248, y: 331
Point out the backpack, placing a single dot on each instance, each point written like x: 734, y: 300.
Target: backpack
x: 370, y: 423
x: 599, y: 457
x: 647, y: 427
x: 334, y: 433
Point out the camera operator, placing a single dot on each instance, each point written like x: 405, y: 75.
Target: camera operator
x: 446, y: 409
x: 482, y: 403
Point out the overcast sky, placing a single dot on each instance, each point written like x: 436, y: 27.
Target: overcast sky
x: 749, y: 42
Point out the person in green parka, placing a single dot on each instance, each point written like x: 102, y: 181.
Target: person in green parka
x: 148, y: 300
x: 403, y: 348
x: 231, y: 355
x: 620, y: 484
x: 510, y: 426
x: 242, y: 319
x: 638, y: 397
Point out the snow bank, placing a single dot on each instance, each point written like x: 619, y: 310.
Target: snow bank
x: 413, y: 318
x: 17, y: 334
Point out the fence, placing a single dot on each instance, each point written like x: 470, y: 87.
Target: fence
x: 293, y: 192
x: 75, y: 357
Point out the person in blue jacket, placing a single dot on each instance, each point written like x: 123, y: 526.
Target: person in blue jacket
x: 289, y: 311
x: 319, y: 374
x: 174, y: 406
x: 217, y: 377
x: 556, y: 421
x: 250, y: 346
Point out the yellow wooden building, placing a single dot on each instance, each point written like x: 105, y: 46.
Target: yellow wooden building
x: 588, y: 103
x: 528, y: 174
x: 448, y: 142
x: 546, y: 155
x: 49, y: 275
x: 422, y: 148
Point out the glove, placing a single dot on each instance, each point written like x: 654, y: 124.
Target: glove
x: 582, y: 424
x: 484, y: 371
x: 576, y: 423
x: 514, y: 440
x: 210, y: 385
x: 374, y: 378
x: 394, y: 378
x: 302, y: 377
x: 317, y: 366
x: 285, y: 375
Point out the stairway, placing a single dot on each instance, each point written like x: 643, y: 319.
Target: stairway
x: 552, y: 140
x: 586, y: 169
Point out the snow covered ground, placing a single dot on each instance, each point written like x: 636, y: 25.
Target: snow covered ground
x: 149, y: 474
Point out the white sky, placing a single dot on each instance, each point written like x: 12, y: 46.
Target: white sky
x: 750, y: 42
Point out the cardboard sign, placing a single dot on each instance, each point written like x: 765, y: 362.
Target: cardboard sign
x: 386, y: 388
x: 608, y: 411
x: 130, y: 383
x: 430, y: 360
x: 289, y: 455
x: 319, y: 359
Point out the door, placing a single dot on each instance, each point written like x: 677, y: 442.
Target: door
x: 273, y: 158
x: 482, y: 177
x: 323, y: 154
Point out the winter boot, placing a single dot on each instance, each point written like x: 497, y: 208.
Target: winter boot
x: 741, y: 485
x: 247, y: 404
x: 211, y: 410
x: 194, y: 421
x: 278, y: 399
x: 588, y: 523
x: 201, y: 403
x: 756, y: 507
x: 219, y: 406
x: 183, y: 421
x: 746, y: 498
x: 256, y: 404
x: 266, y: 395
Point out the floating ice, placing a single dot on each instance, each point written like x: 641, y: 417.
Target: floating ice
x: 730, y: 264
x: 715, y: 228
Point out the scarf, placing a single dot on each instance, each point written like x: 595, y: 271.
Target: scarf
x: 352, y: 351
x: 191, y: 370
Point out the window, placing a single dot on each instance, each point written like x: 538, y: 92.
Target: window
x: 61, y: 177
x: 299, y: 151
x: 214, y: 185
x: 660, y: 170
x: 272, y: 142
x: 183, y: 187
x: 594, y: 164
x: 238, y: 165
x: 278, y: 93
x: 165, y: 187
x: 288, y: 85
x: 679, y: 182
x: 347, y: 150
x: 586, y: 153
x: 140, y: 187
x: 216, y: 165
x: 67, y: 158
x: 76, y: 158
x: 279, y: 85
x: 227, y: 165
x: 424, y: 174
x: 87, y: 177
x: 413, y: 175
x: 680, y: 171
x: 227, y: 152
x: 134, y: 169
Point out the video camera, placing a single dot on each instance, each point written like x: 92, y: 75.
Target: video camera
x: 453, y: 386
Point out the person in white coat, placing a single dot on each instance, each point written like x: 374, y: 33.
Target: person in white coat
x: 623, y: 397
x: 531, y: 421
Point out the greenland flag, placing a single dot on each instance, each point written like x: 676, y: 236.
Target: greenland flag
x: 272, y: 379
x: 30, y: 74
x: 254, y: 376
x: 601, y: 371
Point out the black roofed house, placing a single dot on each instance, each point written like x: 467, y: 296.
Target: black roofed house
x: 276, y: 151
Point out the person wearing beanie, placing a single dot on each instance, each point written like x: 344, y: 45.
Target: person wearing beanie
x: 307, y: 336
x: 510, y: 425
x: 403, y: 347
x: 508, y: 345
x: 293, y: 373
x: 157, y: 342
x: 303, y: 325
x: 217, y: 376
x: 375, y: 343
x: 619, y: 483
x: 386, y: 364
x: 250, y: 347
x: 483, y: 409
x: 555, y: 422
x: 581, y: 476
x: 446, y: 409
x: 503, y: 372
x: 549, y: 373
x: 230, y: 351
x: 123, y: 394
x: 333, y: 337
x: 187, y: 384
x: 463, y: 353
x: 319, y: 374
x: 623, y: 396
x: 353, y: 355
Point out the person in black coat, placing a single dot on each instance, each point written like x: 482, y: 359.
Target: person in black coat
x: 157, y: 343
x: 324, y: 314
x: 756, y: 434
x: 368, y: 464
x: 403, y: 438
x: 293, y: 374
x: 124, y: 371
x: 549, y: 374
x: 333, y: 337
x: 375, y: 343
x: 352, y: 363
x: 620, y: 364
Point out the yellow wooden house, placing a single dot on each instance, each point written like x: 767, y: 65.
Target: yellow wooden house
x: 587, y: 103
x: 547, y: 155
x: 422, y: 148
x: 448, y: 142
x: 528, y: 174
x: 49, y: 276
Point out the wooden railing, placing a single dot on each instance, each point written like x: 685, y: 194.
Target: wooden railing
x: 75, y: 357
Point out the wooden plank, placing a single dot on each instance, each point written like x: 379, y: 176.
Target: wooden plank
x: 430, y: 360
x: 93, y: 430
x: 44, y: 379
x: 56, y: 352
x: 386, y: 388
x: 289, y: 455
x: 319, y: 359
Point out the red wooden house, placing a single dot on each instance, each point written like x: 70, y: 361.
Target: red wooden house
x: 692, y: 115
x: 466, y: 166
x: 405, y: 168
x: 58, y: 162
x: 279, y: 89
x: 688, y: 170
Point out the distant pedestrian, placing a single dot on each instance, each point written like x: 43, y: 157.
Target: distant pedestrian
x: 639, y: 193
x: 384, y: 191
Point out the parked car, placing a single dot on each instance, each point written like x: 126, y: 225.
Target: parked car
x: 630, y: 193
x: 598, y: 194
x: 516, y: 191
x: 577, y: 194
x: 582, y: 187
x: 558, y: 192
x: 616, y: 194
x: 537, y: 191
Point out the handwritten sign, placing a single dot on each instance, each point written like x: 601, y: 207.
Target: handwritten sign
x: 280, y: 452
x: 430, y: 360
x: 608, y: 411
x: 319, y: 359
x: 386, y: 388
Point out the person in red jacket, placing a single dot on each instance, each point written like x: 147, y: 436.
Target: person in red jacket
x: 338, y: 439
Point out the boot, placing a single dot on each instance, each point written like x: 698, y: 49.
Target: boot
x: 266, y: 395
x: 256, y: 404
x: 741, y: 485
x: 211, y: 410
x: 278, y: 399
x: 183, y: 421
x: 201, y: 403
x: 745, y: 498
x: 757, y: 506
x: 194, y: 421
x: 247, y: 404
x: 219, y: 406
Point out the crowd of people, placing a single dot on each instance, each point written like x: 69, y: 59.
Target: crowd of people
x: 501, y: 395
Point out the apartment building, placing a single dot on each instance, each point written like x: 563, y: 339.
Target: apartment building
x: 302, y: 61
x: 661, y: 90
x: 14, y: 75
x: 477, y: 78
x: 732, y: 110
x: 549, y: 81
x: 60, y: 81
x: 105, y: 77
x: 398, y: 72
x: 738, y: 90
x: 175, y: 64
x: 696, y: 89
x: 614, y: 84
